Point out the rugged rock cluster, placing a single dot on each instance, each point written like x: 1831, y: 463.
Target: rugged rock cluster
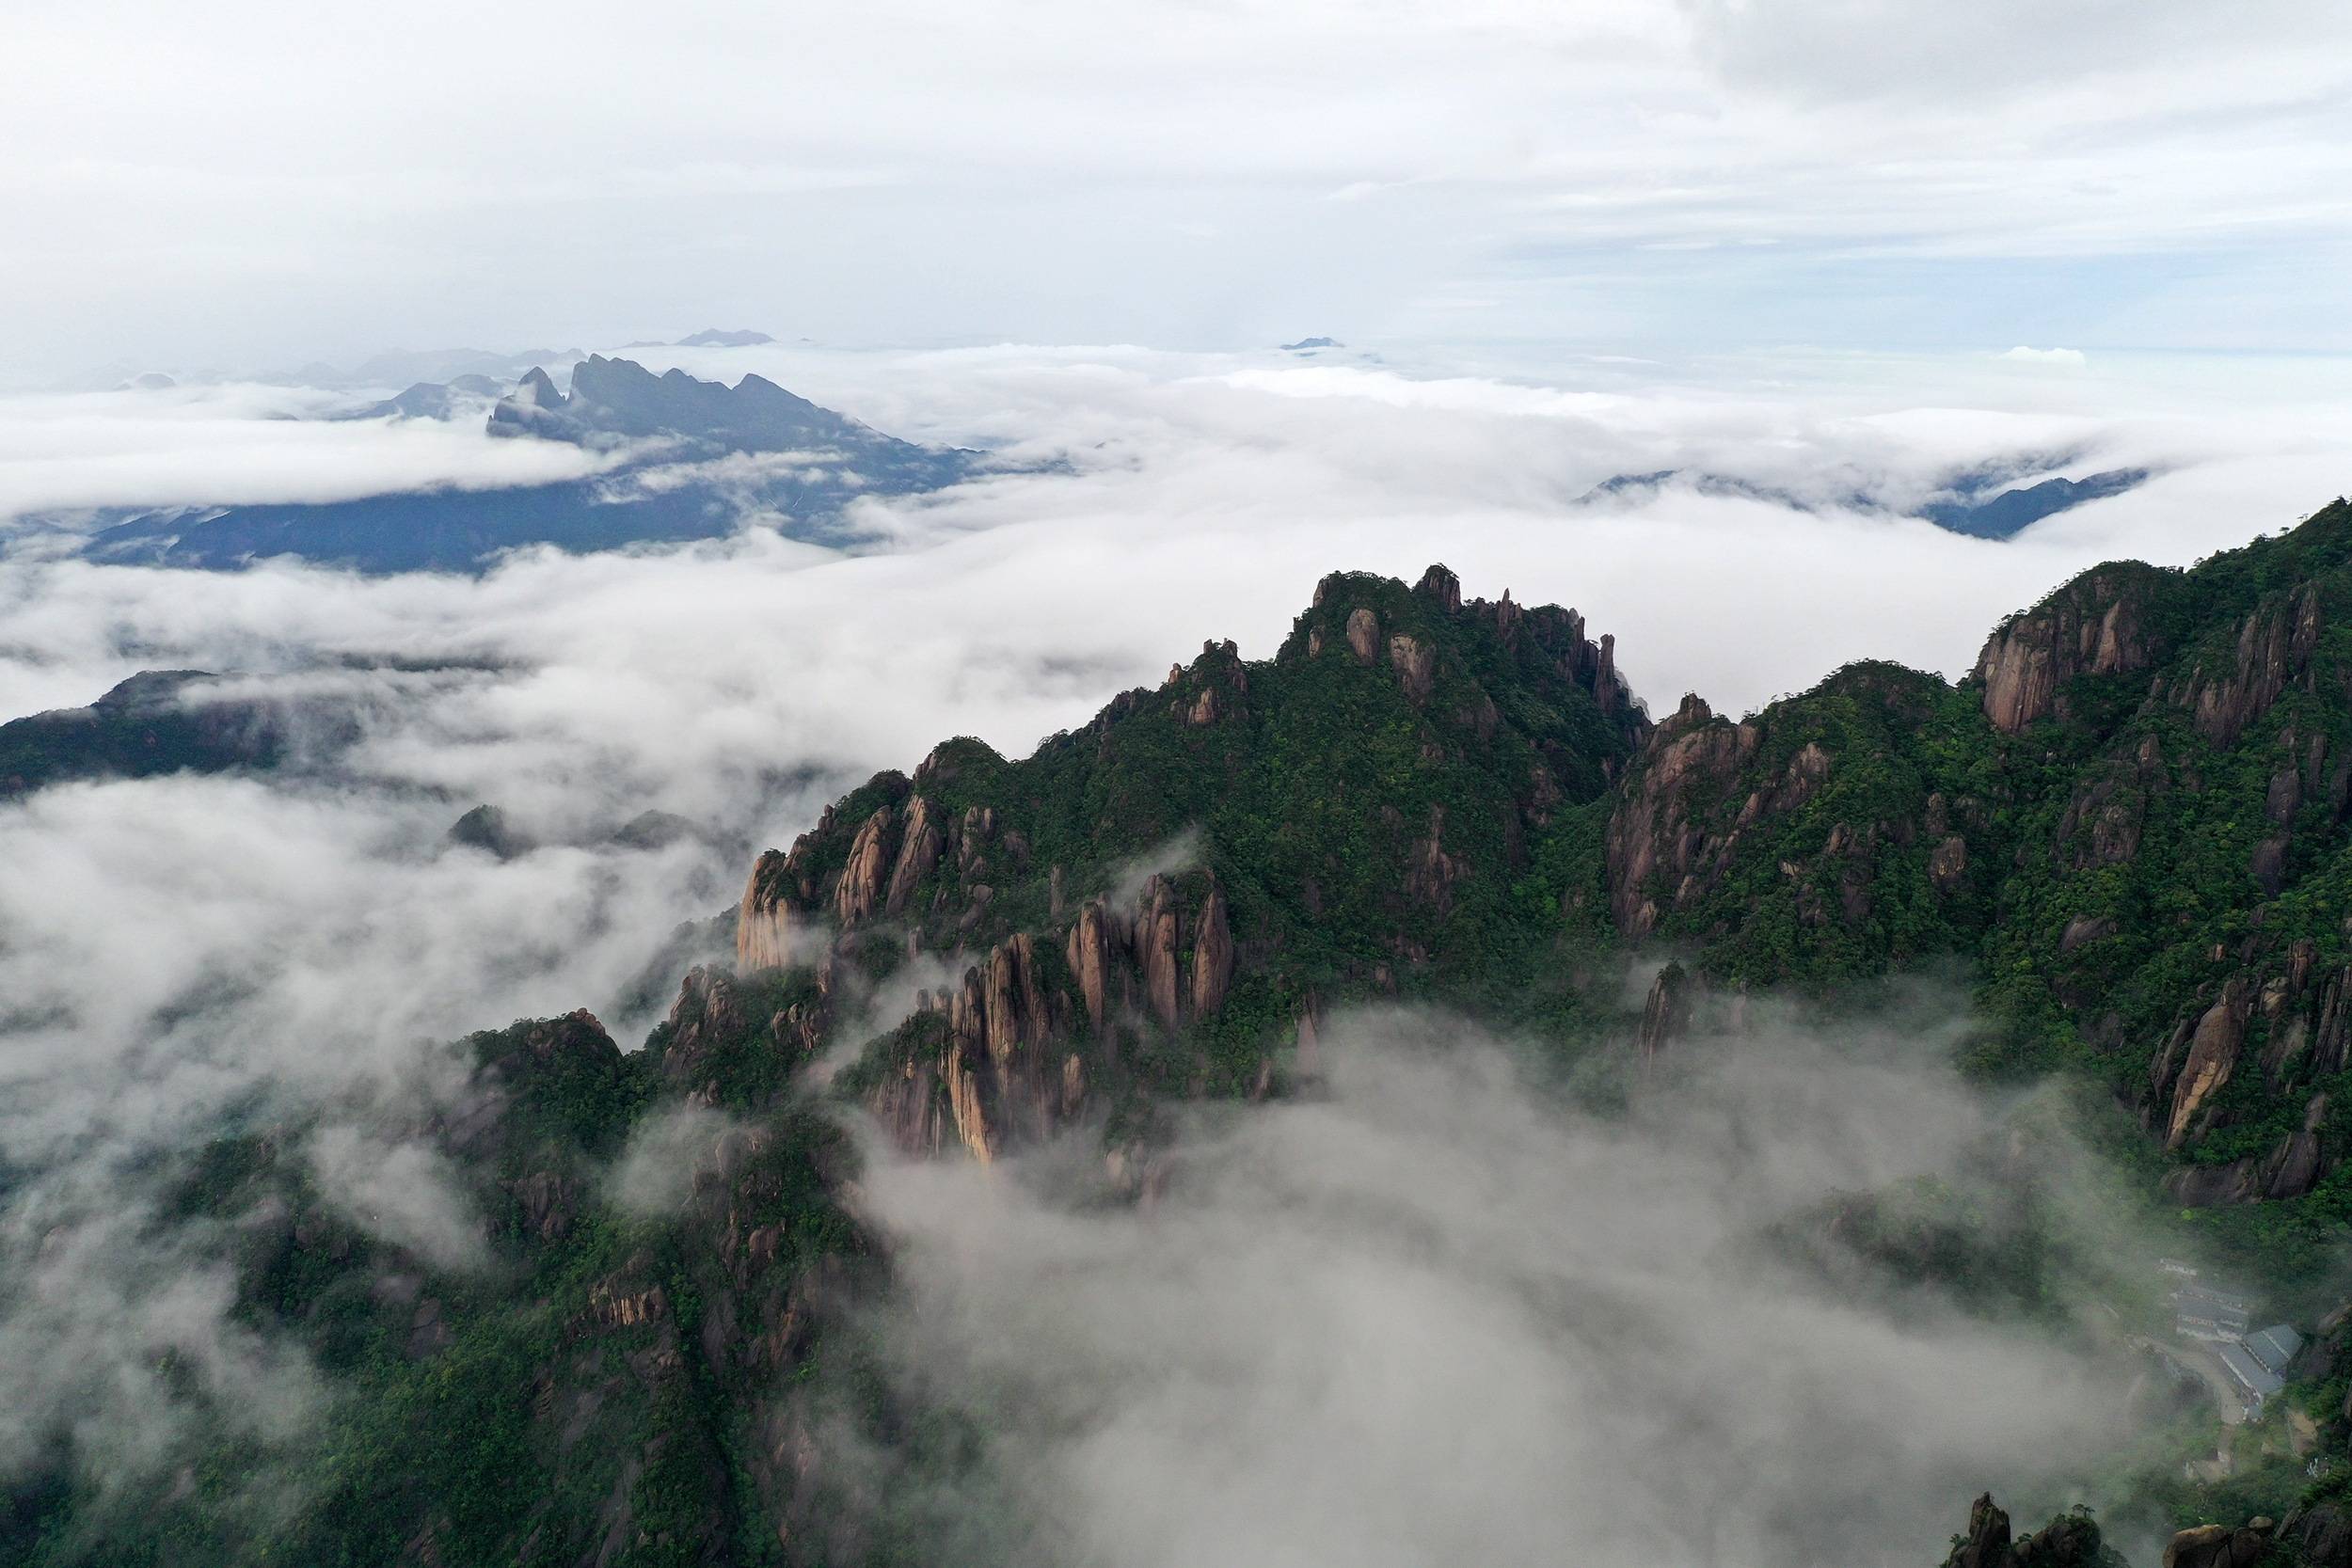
x: 1076, y: 905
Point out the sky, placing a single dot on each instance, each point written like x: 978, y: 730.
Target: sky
x: 260, y: 183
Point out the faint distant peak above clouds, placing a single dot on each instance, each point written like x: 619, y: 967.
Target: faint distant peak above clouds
x: 2072, y: 358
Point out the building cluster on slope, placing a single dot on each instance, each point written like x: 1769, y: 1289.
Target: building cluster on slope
x: 2257, y: 1361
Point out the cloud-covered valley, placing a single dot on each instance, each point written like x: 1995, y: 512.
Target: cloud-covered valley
x: 176, y: 950
x: 1431, y: 1317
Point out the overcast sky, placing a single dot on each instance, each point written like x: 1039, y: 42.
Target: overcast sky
x: 253, y: 181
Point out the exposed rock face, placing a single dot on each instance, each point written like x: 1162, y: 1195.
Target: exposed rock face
x: 1093, y: 940
x: 1363, y: 634
x: 1690, y: 760
x: 2213, y: 1054
x: 2322, y: 1533
x: 2104, y: 818
x: 1666, y: 1013
x: 860, y: 892
x: 1415, y: 663
x: 1156, y: 925
x: 919, y: 849
x: 2295, y: 1164
x: 1947, y: 866
x: 1006, y: 1073
x: 2094, y: 626
x: 2219, y: 1546
x: 705, y: 1017
x: 2274, y: 647
x: 1212, y: 956
x: 763, y: 922
x: 1442, y: 586
x: 2083, y: 930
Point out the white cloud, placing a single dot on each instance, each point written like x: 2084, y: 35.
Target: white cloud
x: 407, y: 1194
x: 1432, y: 1319
x: 224, y: 445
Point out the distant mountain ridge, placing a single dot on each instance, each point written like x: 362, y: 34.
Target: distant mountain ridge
x: 613, y: 402
x: 1985, y: 503
x: 429, y: 400
x: 654, y: 426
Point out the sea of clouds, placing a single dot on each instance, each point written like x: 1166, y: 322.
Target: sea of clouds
x: 173, y: 948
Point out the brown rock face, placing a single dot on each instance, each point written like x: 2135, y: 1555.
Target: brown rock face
x: 1006, y: 1073
x: 1093, y: 939
x: 968, y: 1107
x: 2274, y: 647
x: 2213, y: 1053
x: 1690, y: 760
x: 2268, y: 864
x: 1947, y: 864
x: 2094, y: 626
x: 548, y: 1202
x: 703, y: 1019
x: 908, y: 1106
x: 860, y: 893
x: 2291, y: 1167
x: 2322, y: 1533
x: 2218, y: 1546
x: 1415, y: 664
x: 2104, y: 817
x: 919, y: 849
x: 1212, y: 956
x: 1363, y: 634
x: 1443, y: 586
x: 1016, y: 1011
x: 2331, y: 1038
x: 763, y: 923
x: 1157, y: 922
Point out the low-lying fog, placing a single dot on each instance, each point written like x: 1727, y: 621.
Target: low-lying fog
x: 1431, y: 1318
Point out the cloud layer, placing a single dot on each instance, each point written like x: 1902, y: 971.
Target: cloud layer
x: 1432, y: 1319
x: 173, y: 948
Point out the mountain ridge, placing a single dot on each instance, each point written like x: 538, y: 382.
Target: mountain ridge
x: 653, y: 428
x: 1418, y: 797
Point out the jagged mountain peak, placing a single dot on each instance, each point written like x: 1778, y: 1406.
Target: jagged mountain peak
x: 614, y: 400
